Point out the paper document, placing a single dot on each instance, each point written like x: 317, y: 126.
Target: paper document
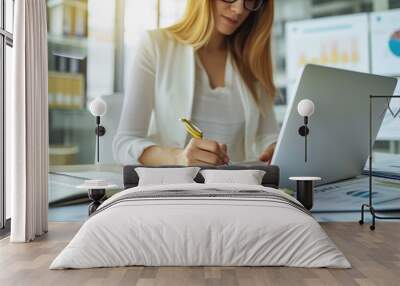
x: 384, y: 165
x: 349, y: 195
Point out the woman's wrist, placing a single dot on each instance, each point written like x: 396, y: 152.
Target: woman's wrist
x: 156, y: 155
x: 177, y: 155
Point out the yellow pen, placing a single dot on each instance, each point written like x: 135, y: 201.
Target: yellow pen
x: 191, y: 128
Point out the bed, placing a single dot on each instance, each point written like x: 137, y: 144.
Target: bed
x: 197, y: 224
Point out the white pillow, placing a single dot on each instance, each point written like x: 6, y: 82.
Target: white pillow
x: 163, y: 176
x: 248, y: 177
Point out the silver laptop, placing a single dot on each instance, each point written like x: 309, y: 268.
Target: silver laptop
x: 338, y: 143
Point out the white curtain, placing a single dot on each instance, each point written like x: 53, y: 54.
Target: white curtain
x: 27, y: 123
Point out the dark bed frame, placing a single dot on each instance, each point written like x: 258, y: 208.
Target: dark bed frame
x: 131, y: 179
x: 270, y: 179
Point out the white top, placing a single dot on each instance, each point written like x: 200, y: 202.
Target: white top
x: 219, y: 112
x: 160, y: 89
x: 305, y: 178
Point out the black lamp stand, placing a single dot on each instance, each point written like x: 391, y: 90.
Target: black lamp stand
x: 370, y: 206
x: 100, y: 131
x: 304, y: 131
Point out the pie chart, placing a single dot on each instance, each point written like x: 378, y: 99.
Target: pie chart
x: 394, y: 43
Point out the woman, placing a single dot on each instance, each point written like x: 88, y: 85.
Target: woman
x: 214, y: 66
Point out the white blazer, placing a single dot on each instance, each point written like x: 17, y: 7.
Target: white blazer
x: 160, y: 90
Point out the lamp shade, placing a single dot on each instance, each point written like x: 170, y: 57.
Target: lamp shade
x: 306, y: 107
x: 98, y: 107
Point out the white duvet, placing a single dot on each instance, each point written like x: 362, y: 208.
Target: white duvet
x: 200, y: 231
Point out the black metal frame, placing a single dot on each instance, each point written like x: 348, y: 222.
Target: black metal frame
x: 6, y: 39
x: 370, y: 206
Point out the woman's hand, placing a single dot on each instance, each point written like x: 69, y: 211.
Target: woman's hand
x: 203, y: 152
x: 266, y: 155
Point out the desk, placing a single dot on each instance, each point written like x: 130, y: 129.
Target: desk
x: 64, y: 179
x: 337, y: 197
x: 87, y: 168
x: 348, y: 195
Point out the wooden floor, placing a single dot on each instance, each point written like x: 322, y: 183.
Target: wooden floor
x: 375, y: 257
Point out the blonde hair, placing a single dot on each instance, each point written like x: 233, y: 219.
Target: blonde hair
x: 250, y: 43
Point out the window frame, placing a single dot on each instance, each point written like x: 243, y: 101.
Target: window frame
x: 6, y: 39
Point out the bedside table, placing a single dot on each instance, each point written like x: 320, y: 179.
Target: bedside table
x: 305, y: 190
x: 96, y: 192
x: 97, y: 196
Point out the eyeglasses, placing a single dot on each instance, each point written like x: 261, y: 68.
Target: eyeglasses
x: 251, y: 5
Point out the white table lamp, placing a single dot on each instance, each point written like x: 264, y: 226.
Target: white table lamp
x: 305, y: 108
x: 98, y: 108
